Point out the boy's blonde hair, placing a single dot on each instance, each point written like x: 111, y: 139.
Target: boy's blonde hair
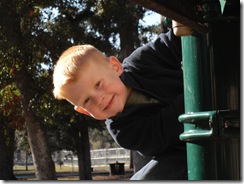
x: 69, y: 64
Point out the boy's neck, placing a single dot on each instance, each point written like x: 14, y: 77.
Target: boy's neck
x: 128, y: 90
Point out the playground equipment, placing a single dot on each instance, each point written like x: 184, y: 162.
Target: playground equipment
x: 211, y: 65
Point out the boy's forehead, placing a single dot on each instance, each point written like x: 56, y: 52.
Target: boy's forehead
x: 92, y: 67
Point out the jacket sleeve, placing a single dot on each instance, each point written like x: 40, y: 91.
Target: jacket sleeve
x: 164, y: 51
x: 149, y: 129
x: 167, y: 46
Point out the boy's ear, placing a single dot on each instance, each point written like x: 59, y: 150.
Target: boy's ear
x: 116, y: 65
x: 82, y: 111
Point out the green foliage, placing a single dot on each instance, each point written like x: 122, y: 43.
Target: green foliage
x: 21, y: 140
x: 100, y: 139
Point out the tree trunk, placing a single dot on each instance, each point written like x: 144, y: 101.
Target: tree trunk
x: 7, y: 151
x: 43, y: 163
x: 128, y: 30
x: 37, y: 137
x: 10, y: 133
x: 26, y: 160
x: 83, y: 151
x: 3, y: 172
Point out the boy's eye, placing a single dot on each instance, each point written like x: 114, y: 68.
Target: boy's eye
x: 98, y: 84
x: 86, y: 100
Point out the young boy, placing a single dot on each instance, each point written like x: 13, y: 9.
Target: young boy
x: 140, y: 99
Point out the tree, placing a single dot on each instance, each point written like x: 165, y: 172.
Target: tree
x: 100, y: 138
x: 10, y: 119
x: 71, y: 133
x: 6, y: 149
x: 18, y: 47
x: 31, y: 39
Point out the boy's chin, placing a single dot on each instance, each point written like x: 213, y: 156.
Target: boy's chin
x: 106, y: 117
x: 103, y: 118
x: 99, y: 118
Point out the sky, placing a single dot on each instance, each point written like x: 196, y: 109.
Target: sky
x: 151, y: 19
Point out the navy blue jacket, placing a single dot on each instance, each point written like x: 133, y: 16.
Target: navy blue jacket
x: 155, y: 70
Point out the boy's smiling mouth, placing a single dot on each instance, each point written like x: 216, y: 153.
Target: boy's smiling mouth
x: 109, y: 103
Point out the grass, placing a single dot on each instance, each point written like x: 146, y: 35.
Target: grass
x: 63, y: 168
x: 20, y: 169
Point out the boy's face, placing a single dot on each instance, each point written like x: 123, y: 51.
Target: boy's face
x: 99, y: 92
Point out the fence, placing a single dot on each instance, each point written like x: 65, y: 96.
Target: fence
x: 99, y: 157
x: 103, y: 157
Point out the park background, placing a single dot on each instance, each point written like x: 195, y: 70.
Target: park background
x: 34, y: 126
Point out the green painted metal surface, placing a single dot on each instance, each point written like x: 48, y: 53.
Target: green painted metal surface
x: 203, y: 125
x: 192, y: 59
x: 212, y: 102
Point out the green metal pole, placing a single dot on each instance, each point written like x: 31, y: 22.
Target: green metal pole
x: 212, y: 117
x: 192, y: 59
x: 211, y: 68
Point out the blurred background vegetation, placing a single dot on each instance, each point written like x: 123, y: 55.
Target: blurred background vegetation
x: 33, y: 34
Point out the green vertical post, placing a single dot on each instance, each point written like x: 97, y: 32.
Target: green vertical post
x: 211, y: 68
x: 193, y: 50
x: 211, y: 71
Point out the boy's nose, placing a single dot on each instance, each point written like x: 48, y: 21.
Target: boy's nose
x: 99, y: 98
